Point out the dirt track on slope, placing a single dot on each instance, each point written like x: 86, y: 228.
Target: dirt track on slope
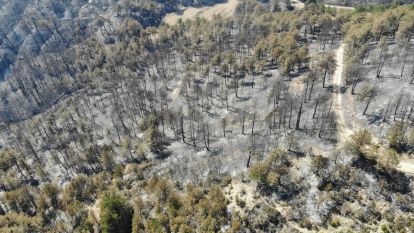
x: 406, y: 166
x: 345, y: 113
x: 344, y: 128
x: 176, y: 91
x: 341, y: 7
x: 298, y: 4
x: 224, y: 9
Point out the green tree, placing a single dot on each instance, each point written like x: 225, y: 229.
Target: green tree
x: 396, y: 135
x: 359, y: 140
x: 156, y: 142
x: 383, y: 49
x: 106, y: 158
x: 116, y: 214
x: 367, y: 94
x: 137, y: 223
x: 411, y: 139
x: 269, y: 172
x: 327, y: 65
x: 353, y: 73
x: 319, y: 165
x: 49, y: 196
x: 404, y: 34
x: 80, y: 189
x: 21, y: 200
x: 14, y: 222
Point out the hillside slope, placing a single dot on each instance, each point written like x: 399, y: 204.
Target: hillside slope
x: 272, y: 119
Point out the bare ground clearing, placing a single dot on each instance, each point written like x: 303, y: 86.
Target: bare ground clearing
x: 224, y: 9
x: 298, y: 4
x: 406, y: 166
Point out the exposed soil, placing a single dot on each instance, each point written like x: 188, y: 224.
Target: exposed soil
x: 298, y: 4
x: 245, y: 192
x: 224, y: 9
x: 345, y: 112
x: 340, y: 7
x: 406, y: 166
x: 176, y: 92
x: 344, y: 127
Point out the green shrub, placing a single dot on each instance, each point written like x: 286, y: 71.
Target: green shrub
x: 116, y: 214
x: 384, y: 228
x: 335, y: 223
x: 305, y: 223
x: 241, y: 203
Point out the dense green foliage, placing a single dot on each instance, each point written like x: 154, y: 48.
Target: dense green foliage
x: 116, y: 214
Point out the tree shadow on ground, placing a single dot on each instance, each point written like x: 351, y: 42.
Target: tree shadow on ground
x: 392, y: 179
x: 374, y: 119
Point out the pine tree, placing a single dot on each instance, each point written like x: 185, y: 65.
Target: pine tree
x: 116, y: 214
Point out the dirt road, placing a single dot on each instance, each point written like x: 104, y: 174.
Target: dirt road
x: 299, y: 5
x: 344, y: 126
x: 345, y: 112
x: 224, y: 9
x: 341, y: 7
